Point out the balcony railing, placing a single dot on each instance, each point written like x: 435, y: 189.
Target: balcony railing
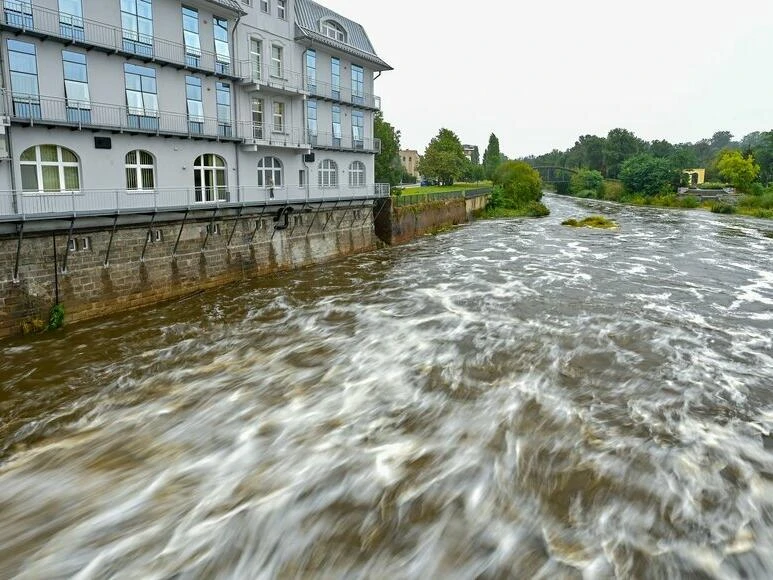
x: 14, y: 205
x: 269, y: 76
x: 344, y: 142
x: 265, y: 135
x: 21, y: 15
x: 341, y: 94
x: 47, y: 111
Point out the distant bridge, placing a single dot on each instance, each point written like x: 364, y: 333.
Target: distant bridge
x: 555, y: 174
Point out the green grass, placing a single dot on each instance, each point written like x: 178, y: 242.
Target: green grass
x: 532, y: 209
x: 594, y: 221
x: 443, y: 188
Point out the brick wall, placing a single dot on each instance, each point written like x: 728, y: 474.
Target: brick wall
x: 88, y: 288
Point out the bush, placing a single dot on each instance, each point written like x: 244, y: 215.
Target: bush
x: 712, y: 185
x: 722, y: 207
x: 587, y: 194
x: 648, y: 175
x: 562, y: 188
x: 537, y: 209
x: 612, y: 190
x: 763, y: 201
x: 594, y: 221
x: 587, y: 180
x: 520, y: 184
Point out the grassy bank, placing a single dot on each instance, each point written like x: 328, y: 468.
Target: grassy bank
x: 443, y: 188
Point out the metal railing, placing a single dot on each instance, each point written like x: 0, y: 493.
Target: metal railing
x: 76, y: 30
x: 344, y: 142
x: 26, y: 204
x: 341, y: 94
x: 273, y: 135
x: 419, y: 198
x: 267, y: 75
x: 42, y: 110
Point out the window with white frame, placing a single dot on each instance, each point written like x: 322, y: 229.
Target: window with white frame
x: 257, y: 118
x: 49, y: 168
x: 140, y: 171
x: 333, y: 30
x: 256, y: 58
x: 327, y: 173
x: 209, y: 178
x: 269, y: 172
x: 357, y: 174
x: 358, y: 129
x: 264, y: 6
x: 281, y: 9
x: 279, y: 117
x: 277, y: 58
x: 141, y: 93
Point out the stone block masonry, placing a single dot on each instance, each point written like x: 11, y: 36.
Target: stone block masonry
x: 203, y: 259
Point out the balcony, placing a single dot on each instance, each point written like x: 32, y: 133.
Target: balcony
x: 265, y: 78
x: 336, y: 142
x: 344, y: 95
x: 58, y: 112
x: 257, y: 135
x: 70, y: 30
x: 27, y: 204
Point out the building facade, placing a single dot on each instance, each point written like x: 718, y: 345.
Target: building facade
x: 128, y: 104
x: 410, y: 160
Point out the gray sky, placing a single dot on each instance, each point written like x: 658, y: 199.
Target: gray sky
x: 541, y: 73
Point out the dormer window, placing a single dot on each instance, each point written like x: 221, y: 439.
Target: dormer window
x: 333, y: 30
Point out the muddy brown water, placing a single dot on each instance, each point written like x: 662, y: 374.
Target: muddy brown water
x: 513, y: 399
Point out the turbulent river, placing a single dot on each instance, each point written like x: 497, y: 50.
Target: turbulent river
x: 513, y: 399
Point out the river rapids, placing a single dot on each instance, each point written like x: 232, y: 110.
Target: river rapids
x: 513, y: 399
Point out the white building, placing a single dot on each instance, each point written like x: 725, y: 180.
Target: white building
x: 124, y: 104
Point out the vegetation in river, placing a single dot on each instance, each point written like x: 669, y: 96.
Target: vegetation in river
x: 517, y: 192
x: 594, y: 221
x: 56, y: 317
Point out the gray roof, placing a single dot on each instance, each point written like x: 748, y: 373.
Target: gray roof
x: 308, y: 16
x: 232, y: 4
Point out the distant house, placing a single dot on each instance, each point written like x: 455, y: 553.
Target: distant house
x: 468, y: 151
x: 697, y: 176
x: 410, y: 160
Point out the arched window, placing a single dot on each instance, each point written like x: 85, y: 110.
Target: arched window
x: 140, y: 173
x: 269, y: 172
x: 333, y: 30
x: 49, y: 168
x: 209, y: 178
x: 357, y: 174
x: 328, y: 173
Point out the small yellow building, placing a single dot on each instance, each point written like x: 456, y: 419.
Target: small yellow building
x: 697, y: 176
x: 410, y: 161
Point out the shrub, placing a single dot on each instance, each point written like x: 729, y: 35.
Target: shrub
x: 712, y: 185
x: 612, y: 190
x: 587, y: 180
x: 56, y: 317
x: 763, y: 201
x: 594, y: 221
x: 537, y: 209
x: 587, y: 194
x: 520, y: 184
x: 648, y: 175
x: 722, y: 207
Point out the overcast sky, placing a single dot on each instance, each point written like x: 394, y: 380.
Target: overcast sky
x: 540, y: 73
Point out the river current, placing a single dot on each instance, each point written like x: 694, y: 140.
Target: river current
x: 512, y: 399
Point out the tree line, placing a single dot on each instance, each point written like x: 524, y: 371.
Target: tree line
x: 443, y: 162
x: 608, y: 155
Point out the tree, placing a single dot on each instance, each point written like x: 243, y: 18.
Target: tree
x: 475, y: 156
x: 388, y: 168
x: 739, y: 170
x: 491, y: 157
x: 587, y: 153
x: 648, y: 175
x: 620, y: 145
x: 763, y: 155
x: 519, y: 184
x: 587, y: 180
x: 444, y: 159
